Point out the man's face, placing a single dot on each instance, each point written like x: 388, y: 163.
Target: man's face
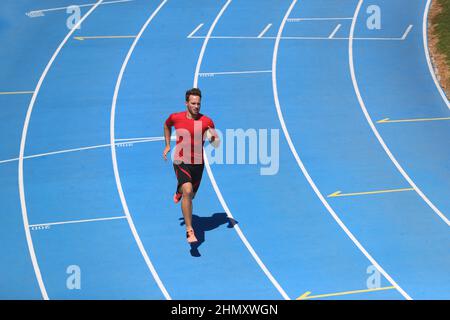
x: 193, y: 105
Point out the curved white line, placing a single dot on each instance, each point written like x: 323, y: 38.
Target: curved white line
x: 374, y: 129
x: 427, y: 54
x: 23, y: 205
x: 302, y: 167
x: 213, y: 180
x: 114, y: 157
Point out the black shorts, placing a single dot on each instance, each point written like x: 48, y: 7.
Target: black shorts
x: 188, y: 173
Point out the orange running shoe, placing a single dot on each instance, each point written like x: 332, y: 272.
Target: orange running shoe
x: 191, y: 236
x: 177, y: 197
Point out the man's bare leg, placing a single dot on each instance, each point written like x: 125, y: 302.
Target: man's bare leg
x: 186, y: 204
x: 186, y: 209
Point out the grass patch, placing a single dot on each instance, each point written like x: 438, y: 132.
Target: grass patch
x: 441, y: 24
x: 439, y: 41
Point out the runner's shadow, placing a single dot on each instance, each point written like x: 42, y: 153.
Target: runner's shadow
x: 203, y: 224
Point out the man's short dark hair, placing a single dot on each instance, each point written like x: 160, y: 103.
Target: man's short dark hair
x: 193, y: 92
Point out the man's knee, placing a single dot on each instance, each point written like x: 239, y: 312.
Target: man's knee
x: 188, y: 191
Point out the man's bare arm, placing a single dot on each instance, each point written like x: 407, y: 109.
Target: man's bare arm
x: 167, y: 133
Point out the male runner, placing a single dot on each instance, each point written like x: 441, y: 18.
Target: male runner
x: 191, y: 127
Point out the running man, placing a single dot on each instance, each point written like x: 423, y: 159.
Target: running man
x: 191, y: 127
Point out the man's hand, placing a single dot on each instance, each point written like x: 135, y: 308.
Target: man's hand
x: 211, y: 134
x: 213, y: 137
x: 165, y: 152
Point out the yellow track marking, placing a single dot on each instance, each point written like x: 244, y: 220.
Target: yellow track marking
x: 387, y: 120
x: 306, y: 295
x: 339, y: 194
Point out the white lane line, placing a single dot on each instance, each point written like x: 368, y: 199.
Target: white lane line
x: 138, y: 140
x: 40, y: 11
x: 407, y: 31
x: 231, y: 37
x: 114, y: 156
x: 63, y: 151
x: 302, y: 166
x: 335, y: 31
x: 213, y: 180
x: 374, y: 39
x: 212, y: 74
x: 144, y: 138
x: 265, y: 30
x: 118, y: 142
x: 82, y: 38
x: 10, y: 160
x: 15, y: 92
x: 75, y: 221
x: 318, y: 19
x: 427, y: 54
x: 195, y: 30
x: 303, y: 38
x: 377, y: 134
x: 23, y: 205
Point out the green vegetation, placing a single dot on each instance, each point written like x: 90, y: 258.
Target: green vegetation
x: 442, y: 28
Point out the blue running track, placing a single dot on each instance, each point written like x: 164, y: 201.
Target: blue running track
x: 359, y: 206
